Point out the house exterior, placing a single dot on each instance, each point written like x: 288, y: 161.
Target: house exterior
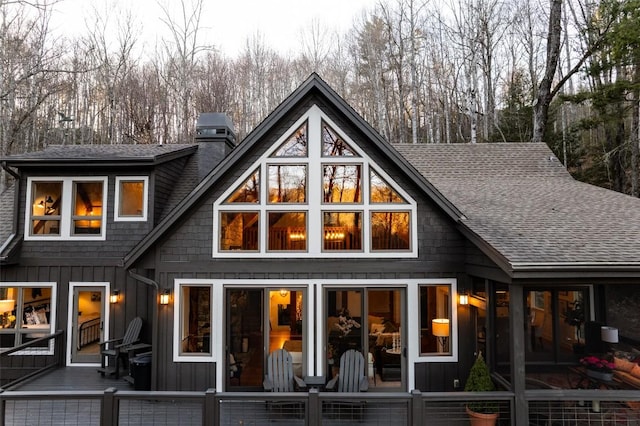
x: 315, y: 235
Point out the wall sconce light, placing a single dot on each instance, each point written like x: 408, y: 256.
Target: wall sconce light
x: 164, y: 297
x: 283, y: 292
x: 440, y: 329
x: 463, y: 298
x: 115, y: 296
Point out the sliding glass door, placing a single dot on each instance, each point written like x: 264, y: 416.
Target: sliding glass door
x: 370, y: 321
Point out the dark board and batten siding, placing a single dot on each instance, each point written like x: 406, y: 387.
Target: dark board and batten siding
x: 136, y: 302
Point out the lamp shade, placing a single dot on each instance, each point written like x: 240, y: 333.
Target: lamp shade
x: 609, y: 334
x: 7, y: 305
x: 440, y: 327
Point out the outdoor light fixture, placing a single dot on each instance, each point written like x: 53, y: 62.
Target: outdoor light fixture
x: 164, y: 297
x: 283, y: 292
x: 440, y: 329
x: 464, y: 298
x: 115, y: 295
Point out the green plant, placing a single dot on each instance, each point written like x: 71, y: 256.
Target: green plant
x: 479, y: 380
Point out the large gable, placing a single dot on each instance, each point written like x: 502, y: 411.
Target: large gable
x: 519, y: 199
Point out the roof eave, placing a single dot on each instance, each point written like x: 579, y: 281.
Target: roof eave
x: 79, y: 162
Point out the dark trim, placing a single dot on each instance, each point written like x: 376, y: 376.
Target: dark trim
x: 313, y: 84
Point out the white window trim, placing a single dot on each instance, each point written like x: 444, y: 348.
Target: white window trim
x: 413, y: 305
x: 105, y: 319
x: 314, y: 205
x: 66, y: 215
x: 145, y: 200
x: 52, y: 314
x: 316, y: 325
x: 215, y: 311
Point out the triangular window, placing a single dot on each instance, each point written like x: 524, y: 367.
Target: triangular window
x: 333, y: 145
x: 248, y: 192
x: 295, y: 145
x: 381, y: 192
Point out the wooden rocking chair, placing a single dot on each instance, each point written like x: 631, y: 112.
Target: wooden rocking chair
x: 113, y: 350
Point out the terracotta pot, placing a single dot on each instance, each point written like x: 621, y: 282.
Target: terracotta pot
x: 482, y: 419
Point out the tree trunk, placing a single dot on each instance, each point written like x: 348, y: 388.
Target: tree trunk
x: 544, y: 98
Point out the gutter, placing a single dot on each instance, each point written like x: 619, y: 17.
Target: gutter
x: 154, y: 325
x: 16, y: 196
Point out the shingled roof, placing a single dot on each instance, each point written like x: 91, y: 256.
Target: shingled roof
x: 84, y: 154
x: 520, y: 201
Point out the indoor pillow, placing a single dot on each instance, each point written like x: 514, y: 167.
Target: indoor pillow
x: 623, y: 364
x: 377, y: 328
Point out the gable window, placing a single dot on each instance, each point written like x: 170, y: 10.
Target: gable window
x: 192, y: 317
x: 67, y: 208
x: 26, y: 314
x: 131, y: 199
x: 321, y: 196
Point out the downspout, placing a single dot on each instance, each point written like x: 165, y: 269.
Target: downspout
x: 16, y: 207
x: 154, y: 325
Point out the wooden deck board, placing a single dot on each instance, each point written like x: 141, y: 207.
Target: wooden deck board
x: 73, y: 379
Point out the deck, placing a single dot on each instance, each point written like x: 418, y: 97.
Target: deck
x: 73, y: 379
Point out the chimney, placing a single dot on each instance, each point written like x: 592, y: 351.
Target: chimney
x: 215, y: 138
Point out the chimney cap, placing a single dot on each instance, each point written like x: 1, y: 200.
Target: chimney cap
x: 214, y: 119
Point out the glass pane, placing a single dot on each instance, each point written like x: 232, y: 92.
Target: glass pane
x: 87, y: 208
x: 295, y: 145
x: 131, y: 198
x: 287, y: 184
x: 249, y: 192
x: 45, y: 211
x: 36, y: 304
x: 195, y: 319
x: 239, y: 230
x: 390, y: 231
x: 342, y: 230
x: 285, y: 317
x: 287, y: 231
x: 333, y: 145
x: 342, y: 183
x: 435, y: 317
x: 573, y: 314
x: 344, y: 325
x: 384, y: 315
x: 245, y: 338
x: 382, y: 192
x: 8, y: 306
x: 502, y: 334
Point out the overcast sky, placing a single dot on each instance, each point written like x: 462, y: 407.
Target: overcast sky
x: 228, y: 23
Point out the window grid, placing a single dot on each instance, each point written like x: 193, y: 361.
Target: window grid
x: 314, y: 205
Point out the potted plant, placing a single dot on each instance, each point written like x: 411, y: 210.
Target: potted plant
x: 479, y: 380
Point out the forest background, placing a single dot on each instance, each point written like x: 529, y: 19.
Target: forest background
x: 566, y: 72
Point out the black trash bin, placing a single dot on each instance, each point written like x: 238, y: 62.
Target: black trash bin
x: 141, y: 372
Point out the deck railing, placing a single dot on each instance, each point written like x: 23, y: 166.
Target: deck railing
x: 313, y: 408
x: 30, y: 359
